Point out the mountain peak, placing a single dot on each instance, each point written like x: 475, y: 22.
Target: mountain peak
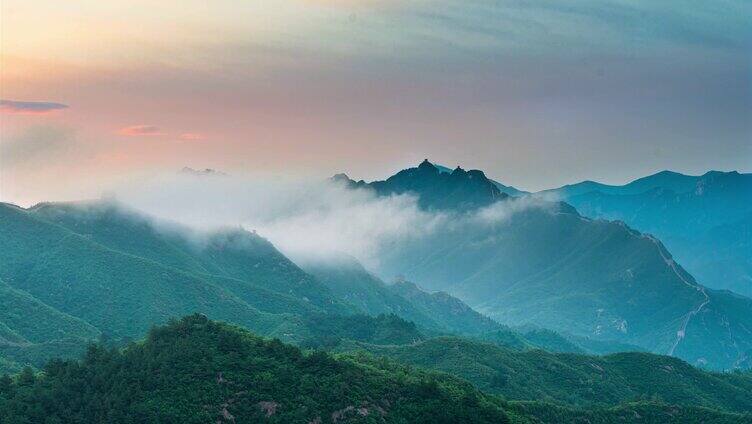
x: 435, y: 189
x: 340, y: 177
x: 427, y: 166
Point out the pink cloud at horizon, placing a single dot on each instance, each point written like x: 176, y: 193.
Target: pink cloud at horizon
x: 191, y: 137
x: 17, y: 107
x: 140, y: 130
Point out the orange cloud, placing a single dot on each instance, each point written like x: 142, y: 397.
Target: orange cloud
x: 140, y: 130
x: 191, y: 136
x: 29, y: 108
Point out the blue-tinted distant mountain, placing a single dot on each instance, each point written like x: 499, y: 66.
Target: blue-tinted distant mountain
x: 436, y: 190
x: 512, y: 191
x: 704, y: 220
x: 435, y: 312
x: 544, y: 264
x: 668, y: 180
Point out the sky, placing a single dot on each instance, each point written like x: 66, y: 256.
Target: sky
x: 535, y: 93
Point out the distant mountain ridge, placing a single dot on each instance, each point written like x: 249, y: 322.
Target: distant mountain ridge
x: 704, y: 220
x: 669, y: 180
x: 435, y: 312
x: 545, y: 264
x: 74, y: 272
x: 512, y: 191
x: 71, y: 273
x: 438, y: 190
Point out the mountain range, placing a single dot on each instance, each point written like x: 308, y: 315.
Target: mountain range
x: 71, y: 273
x: 539, y: 312
x: 706, y: 220
x: 195, y: 370
x: 543, y: 263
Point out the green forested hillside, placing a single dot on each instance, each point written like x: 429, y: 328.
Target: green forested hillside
x: 110, y: 272
x: 195, y: 371
x: 72, y: 274
x: 454, y: 314
x: 240, y: 261
x: 575, y: 379
x: 546, y: 340
x: 352, y: 283
x: 436, y: 312
x: 118, y: 293
x: 637, y: 412
x: 32, y: 332
x: 198, y: 371
x: 24, y: 319
x: 329, y: 331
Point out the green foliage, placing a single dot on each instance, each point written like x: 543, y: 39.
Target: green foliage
x: 328, y: 331
x: 573, y: 379
x: 453, y: 314
x: 644, y: 412
x: 239, y: 261
x: 435, y: 312
x: 113, y: 291
x: 198, y: 371
x: 33, y: 321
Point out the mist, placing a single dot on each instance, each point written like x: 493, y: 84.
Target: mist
x: 306, y: 220
x: 309, y: 221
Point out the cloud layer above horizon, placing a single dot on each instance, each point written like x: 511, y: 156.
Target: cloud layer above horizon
x: 33, y: 108
x: 537, y: 94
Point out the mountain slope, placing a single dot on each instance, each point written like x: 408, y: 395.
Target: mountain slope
x: 31, y: 331
x: 236, y: 260
x: 31, y: 321
x: 198, y: 371
x: 119, y: 272
x: 120, y: 294
x: 512, y: 191
x: 352, y: 283
x: 436, y: 312
x: 667, y: 180
x: 437, y: 190
x: 633, y: 412
x: 704, y: 220
x: 454, y: 314
x: 575, y: 380
x: 528, y: 261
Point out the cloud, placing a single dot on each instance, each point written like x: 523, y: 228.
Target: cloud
x: 140, y: 131
x: 501, y: 212
x: 34, y: 143
x: 308, y: 220
x: 191, y: 137
x: 29, y: 108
